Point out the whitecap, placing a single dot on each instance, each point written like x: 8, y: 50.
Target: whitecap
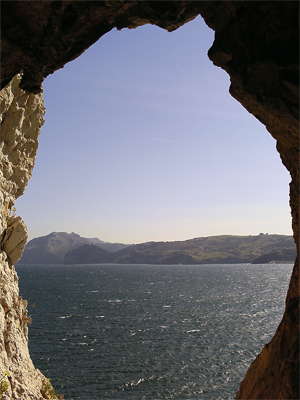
x: 114, y: 301
x: 193, y: 331
x: 134, y: 383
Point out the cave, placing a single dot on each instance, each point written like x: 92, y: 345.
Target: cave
x: 256, y: 43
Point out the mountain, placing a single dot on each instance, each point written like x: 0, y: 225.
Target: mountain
x: 88, y: 254
x: 71, y: 248
x: 224, y: 249
x: 52, y: 248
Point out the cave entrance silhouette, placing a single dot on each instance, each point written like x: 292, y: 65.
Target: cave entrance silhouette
x: 100, y: 41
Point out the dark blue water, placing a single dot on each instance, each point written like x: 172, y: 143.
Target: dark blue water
x: 151, y: 332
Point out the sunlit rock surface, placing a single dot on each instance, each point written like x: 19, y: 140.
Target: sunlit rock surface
x: 256, y: 43
x: 21, y: 118
x: 14, y: 239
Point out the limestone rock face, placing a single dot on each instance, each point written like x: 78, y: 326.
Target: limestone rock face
x: 14, y: 239
x: 21, y: 118
x: 25, y: 382
x: 256, y: 42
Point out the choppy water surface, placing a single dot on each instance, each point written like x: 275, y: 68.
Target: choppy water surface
x: 141, y: 332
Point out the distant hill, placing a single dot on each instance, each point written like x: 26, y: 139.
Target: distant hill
x: 279, y: 255
x: 71, y: 248
x: 222, y: 249
x: 88, y: 254
x: 52, y: 248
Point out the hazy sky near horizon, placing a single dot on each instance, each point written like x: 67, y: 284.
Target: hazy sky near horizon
x: 142, y: 141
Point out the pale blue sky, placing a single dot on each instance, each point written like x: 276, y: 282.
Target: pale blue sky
x: 142, y: 141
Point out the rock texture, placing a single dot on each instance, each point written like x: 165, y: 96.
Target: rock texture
x: 21, y: 119
x: 256, y: 42
x: 14, y: 239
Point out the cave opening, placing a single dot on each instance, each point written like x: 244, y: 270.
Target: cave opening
x: 159, y: 139
x: 174, y: 156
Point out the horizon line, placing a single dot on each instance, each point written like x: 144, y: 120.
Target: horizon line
x: 163, y: 241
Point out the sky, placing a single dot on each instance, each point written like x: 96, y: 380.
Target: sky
x: 142, y: 142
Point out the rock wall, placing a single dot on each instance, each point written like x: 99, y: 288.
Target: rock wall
x: 256, y: 42
x: 259, y: 48
x: 21, y: 116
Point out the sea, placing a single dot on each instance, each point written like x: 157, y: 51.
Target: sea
x: 149, y: 332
